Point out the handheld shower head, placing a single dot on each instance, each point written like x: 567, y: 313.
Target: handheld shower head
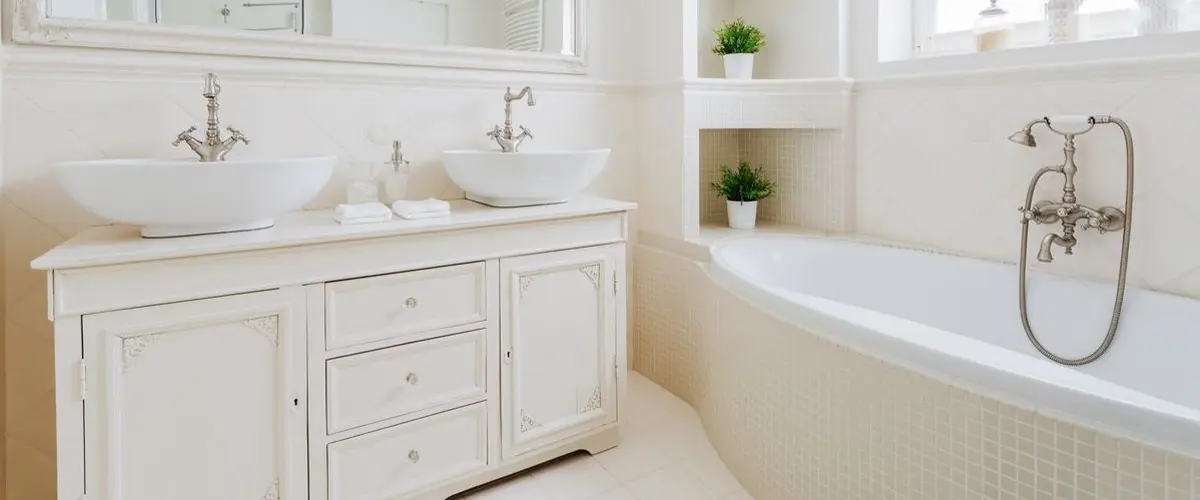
x: 1024, y: 137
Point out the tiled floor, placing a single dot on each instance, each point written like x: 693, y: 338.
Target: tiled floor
x: 664, y: 455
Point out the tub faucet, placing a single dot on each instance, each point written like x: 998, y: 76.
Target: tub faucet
x: 1073, y: 216
x: 1044, y: 252
x: 506, y: 137
x: 213, y: 147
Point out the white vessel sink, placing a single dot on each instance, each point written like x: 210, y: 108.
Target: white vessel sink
x: 170, y: 198
x: 524, y: 179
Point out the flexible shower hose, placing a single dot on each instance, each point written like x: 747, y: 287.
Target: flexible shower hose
x: 1120, y: 299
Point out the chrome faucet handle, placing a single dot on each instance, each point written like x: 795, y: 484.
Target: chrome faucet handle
x: 1030, y: 215
x: 236, y: 135
x: 525, y: 132
x: 496, y: 132
x: 183, y: 136
x: 1100, y: 223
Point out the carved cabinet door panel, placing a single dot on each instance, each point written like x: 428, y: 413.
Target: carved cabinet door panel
x: 197, y: 400
x: 558, y: 332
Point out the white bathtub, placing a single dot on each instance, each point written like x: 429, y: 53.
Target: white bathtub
x: 956, y: 320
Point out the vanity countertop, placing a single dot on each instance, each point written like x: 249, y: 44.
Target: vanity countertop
x: 110, y: 245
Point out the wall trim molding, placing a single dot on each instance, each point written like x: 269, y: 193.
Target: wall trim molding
x: 32, y: 62
x: 806, y: 86
x: 769, y: 86
x: 118, y: 66
x: 1115, y: 69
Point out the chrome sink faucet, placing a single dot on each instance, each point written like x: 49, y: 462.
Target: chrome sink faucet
x: 213, y: 147
x: 507, y: 139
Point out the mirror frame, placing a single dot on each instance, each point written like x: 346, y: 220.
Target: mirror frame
x: 29, y: 25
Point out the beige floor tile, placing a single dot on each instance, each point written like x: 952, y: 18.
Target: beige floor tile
x: 618, y: 493
x: 665, y: 456
x: 575, y: 478
x: 671, y: 483
x: 522, y: 487
x: 707, y: 467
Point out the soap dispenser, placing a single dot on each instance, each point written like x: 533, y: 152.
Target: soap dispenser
x: 395, y: 179
x: 993, y: 29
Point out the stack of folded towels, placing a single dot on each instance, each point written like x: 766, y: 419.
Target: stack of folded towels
x: 373, y: 212
x: 362, y: 213
x: 431, y: 208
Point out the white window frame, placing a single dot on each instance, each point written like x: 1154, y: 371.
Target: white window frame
x: 927, y: 42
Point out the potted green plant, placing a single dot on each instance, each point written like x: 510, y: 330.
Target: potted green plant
x: 742, y: 188
x: 738, y: 42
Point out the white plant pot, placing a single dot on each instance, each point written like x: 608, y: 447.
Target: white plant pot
x: 739, y: 66
x: 742, y: 214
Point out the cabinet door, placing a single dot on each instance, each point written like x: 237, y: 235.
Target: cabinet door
x: 558, y: 328
x: 197, y: 400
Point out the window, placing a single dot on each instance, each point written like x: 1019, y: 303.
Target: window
x: 960, y: 15
x: 942, y: 27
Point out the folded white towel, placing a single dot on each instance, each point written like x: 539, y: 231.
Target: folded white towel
x: 362, y: 213
x: 363, y: 220
x: 426, y: 215
x: 407, y: 209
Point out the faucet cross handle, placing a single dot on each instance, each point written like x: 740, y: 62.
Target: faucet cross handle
x: 526, y: 133
x: 236, y: 135
x: 183, y: 136
x: 1033, y: 215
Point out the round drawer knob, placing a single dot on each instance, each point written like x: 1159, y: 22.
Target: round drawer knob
x: 414, y: 456
x: 411, y: 379
x: 411, y: 303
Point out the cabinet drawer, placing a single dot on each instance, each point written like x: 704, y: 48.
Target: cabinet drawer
x: 371, y: 309
x: 366, y: 388
x: 404, y: 459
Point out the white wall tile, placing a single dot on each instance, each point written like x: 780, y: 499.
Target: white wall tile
x: 934, y: 168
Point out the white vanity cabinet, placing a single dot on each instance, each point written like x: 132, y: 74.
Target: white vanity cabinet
x: 209, y: 388
x: 558, y: 329
x: 405, y: 360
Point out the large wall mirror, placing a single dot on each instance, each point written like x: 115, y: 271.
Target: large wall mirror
x: 537, y: 35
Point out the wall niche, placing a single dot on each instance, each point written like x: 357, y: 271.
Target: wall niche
x: 805, y: 163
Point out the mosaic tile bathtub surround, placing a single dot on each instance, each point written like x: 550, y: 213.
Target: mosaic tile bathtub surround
x: 797, y: 417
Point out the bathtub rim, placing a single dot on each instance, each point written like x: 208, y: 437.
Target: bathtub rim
x: 1163, y: 429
